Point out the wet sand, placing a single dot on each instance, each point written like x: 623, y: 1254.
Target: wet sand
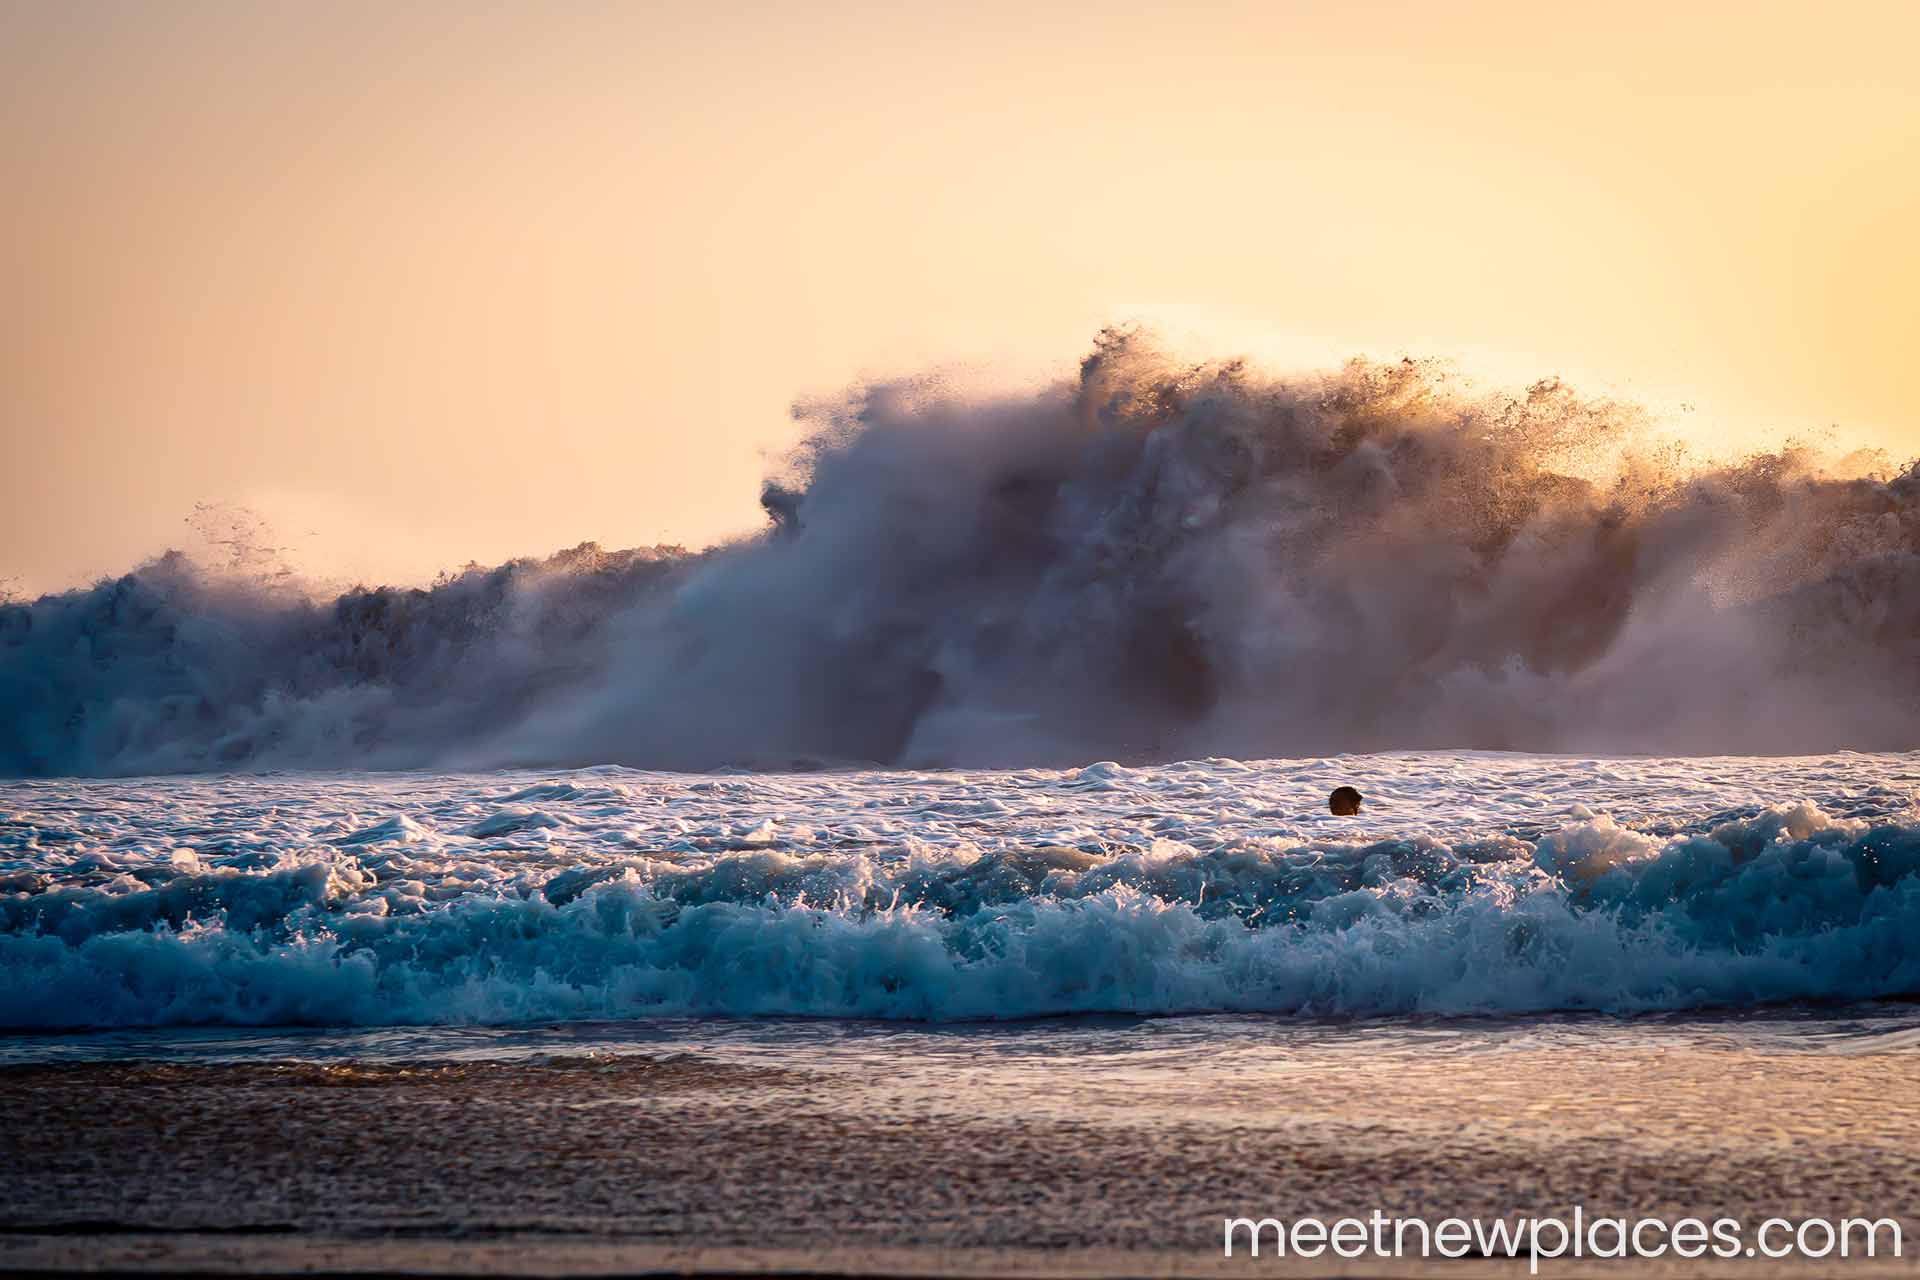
x: 981, y: 1159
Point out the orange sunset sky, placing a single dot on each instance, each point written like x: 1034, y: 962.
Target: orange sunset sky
x: 446, y: 281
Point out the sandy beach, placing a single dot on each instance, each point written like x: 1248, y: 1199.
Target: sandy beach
x: 1070, y: 1148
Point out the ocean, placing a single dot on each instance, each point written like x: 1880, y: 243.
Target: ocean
x: 1059, y: 1021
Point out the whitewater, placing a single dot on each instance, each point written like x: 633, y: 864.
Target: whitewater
x: 1471, y: 883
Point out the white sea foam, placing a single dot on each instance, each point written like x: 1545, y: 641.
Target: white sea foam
x: 1471, y: 882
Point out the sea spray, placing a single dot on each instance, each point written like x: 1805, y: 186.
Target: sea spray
x: 1155, y: 560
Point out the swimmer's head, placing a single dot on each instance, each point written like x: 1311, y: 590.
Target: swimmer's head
x: 1345, y: 802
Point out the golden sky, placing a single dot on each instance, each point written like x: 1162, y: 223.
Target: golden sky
x: 437, y: 282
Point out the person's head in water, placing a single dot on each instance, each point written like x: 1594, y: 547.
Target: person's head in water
x: 1345, y: 802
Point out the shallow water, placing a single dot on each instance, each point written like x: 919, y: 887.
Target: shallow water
x: 1096, y: 1043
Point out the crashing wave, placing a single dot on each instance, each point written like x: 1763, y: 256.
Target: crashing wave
x: 1156, y: 560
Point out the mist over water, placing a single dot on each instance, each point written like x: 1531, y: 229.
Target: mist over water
x: 1157, y: 560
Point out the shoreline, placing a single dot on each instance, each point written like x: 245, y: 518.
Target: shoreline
x: 1053, y: 1151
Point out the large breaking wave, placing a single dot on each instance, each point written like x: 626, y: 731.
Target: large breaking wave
x: 1157, y: 560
